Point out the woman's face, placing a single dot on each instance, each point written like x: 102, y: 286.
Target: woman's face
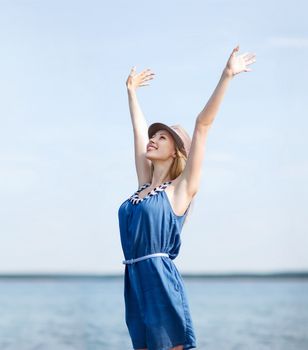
x: 160, y: 146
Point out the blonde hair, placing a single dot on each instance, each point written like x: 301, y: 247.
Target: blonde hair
x: 175, y: 170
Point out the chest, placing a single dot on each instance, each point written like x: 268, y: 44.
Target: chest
x: 175, y: 202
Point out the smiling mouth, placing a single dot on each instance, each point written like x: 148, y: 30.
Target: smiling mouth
x: 151, y: 147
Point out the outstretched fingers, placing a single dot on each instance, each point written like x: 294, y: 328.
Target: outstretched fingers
x: 146, y: 75
x: 249, y: 56
x: 146, y: 72
x: 251, y: 59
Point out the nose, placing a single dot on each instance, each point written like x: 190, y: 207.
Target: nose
x: 151, y: 143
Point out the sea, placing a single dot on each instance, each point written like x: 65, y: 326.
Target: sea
x: 87, y: 313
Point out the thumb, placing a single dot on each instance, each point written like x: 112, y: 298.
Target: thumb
x: 235, y: 49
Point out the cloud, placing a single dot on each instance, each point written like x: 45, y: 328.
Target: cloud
x: 288, y: 42
x: 220, y: 157
x: 296, y: 170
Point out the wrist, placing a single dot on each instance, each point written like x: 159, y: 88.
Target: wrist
x: 227, y: 73
x: 131, y: 90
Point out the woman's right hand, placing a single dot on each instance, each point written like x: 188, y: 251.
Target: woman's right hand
x: 135, y: 80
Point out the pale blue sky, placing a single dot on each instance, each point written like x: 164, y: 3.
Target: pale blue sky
x: 66, y: 145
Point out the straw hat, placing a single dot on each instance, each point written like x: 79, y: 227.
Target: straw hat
x: 179, y: 134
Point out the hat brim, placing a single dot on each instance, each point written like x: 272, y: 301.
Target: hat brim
x: 153, y: 128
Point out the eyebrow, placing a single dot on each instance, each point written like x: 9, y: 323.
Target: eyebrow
x: 161, y: 133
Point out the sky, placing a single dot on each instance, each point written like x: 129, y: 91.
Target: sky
x: 66, y: 139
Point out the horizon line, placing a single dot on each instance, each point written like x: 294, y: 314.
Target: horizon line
x: 76, y: 275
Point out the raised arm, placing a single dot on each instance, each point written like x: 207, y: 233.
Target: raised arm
x: 139, y: 123
x: 190, y: 177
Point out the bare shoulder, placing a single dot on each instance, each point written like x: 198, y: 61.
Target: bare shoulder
x: 178, y: 195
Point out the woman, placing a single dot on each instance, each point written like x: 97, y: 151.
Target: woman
x: 168, y: 165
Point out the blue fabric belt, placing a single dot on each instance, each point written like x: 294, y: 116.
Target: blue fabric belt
x: 131, y: 261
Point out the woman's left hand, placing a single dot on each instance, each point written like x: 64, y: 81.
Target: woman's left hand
x: 238, y: 64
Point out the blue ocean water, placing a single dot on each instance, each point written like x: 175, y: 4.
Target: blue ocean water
x: 80, y: 314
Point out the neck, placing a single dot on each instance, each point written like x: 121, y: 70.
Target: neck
x: 159, y: 178
x: 160, y: 173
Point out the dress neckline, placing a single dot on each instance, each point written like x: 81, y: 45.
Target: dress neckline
x: 135, y: 199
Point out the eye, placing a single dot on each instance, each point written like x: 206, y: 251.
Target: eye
x: 153, y: 136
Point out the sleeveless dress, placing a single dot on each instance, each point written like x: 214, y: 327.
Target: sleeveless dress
x: 157, y: 312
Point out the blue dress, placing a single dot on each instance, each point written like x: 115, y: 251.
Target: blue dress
x: 157, y: 313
